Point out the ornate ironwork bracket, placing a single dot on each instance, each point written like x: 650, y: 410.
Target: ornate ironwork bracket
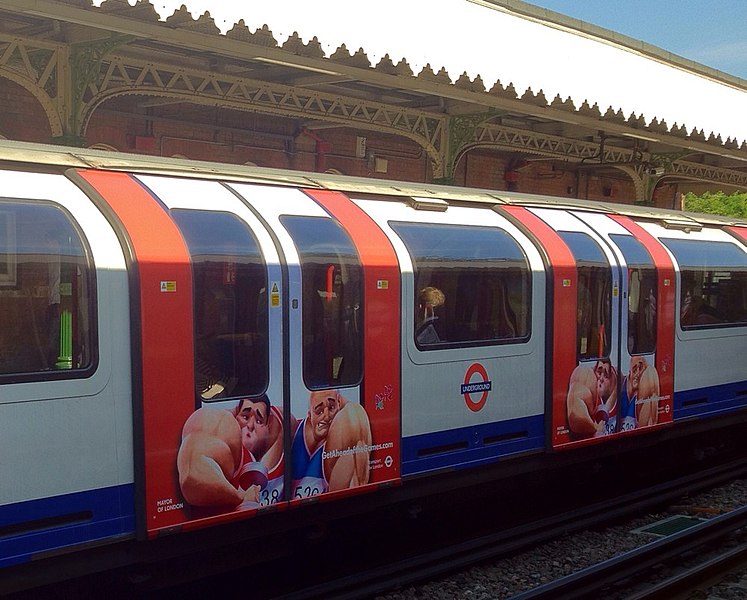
x: 85, y: 61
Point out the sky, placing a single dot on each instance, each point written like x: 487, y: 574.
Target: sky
x: 710, y: 32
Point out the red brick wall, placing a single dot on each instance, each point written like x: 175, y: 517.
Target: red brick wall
x: 22, y: 117
x: 238, y: 137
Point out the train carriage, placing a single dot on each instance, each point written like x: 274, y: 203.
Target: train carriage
x: 191, y: 344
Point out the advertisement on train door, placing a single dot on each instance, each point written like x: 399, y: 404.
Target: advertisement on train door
x: 223, y: 427
x: 233, y: 459
x: 348, y: 436
x: 601, y: 401
x: 327, y: 421
x: 604, y: 397
x: 340, y: 430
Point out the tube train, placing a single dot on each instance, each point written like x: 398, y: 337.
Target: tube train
x: 190, y: 344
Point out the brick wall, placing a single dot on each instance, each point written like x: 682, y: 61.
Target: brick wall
x: 22, y: 117
x: 239, y: 137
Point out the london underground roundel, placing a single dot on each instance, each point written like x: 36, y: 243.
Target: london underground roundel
x: 476, y: 381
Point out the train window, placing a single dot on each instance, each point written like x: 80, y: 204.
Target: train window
x: 473, y: 285
x: 594, y: 299
x: 47, y: 302
x: 332, y: 294
x: 642, y: 294
x: 230, y: 305
x: 713, y: 283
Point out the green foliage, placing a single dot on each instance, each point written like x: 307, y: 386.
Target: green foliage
x: 718, y: 203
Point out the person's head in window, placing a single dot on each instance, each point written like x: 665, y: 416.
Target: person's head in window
x: 429, y: 299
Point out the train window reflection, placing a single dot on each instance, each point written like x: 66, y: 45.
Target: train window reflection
x: 332, y: 292
x: 713, y: 283
x: 473, y: 285
x: 230, y: 305
x: 642, y: 294
x: 594, y: 298
x: 47, y: 303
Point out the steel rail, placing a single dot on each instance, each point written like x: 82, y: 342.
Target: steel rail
x: 589, y: 582
x: 709, y: 572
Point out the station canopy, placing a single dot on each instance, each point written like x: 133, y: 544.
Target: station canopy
x: 516, y: 66
x: 509, y: 42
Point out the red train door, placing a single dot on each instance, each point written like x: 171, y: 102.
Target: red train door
x: 381, y: 331
x: 342, y: 329
x: 648, y: 336
x: 612, y: 325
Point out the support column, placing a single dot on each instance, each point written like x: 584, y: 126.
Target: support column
x: 459, y: 135
x: 79, y: 65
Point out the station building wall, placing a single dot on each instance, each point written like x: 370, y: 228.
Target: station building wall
x: 236, y: 137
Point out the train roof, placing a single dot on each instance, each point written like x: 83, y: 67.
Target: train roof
x: 424, y: 196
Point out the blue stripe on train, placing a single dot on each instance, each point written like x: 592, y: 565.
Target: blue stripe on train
x: 471, y: 446
x: 36, y: 526
x: 710, y: 401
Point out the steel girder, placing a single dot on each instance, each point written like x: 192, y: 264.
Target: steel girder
x: 71, y: 81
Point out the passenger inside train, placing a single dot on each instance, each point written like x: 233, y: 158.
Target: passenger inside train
x: 429, y: 329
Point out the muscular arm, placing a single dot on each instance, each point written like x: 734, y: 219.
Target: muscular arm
x: 208, y: 456
x: 350, y: 430
x: 647, y: 412
x: 580, y: 402
x: 579, y: 419
x: 205, y: 463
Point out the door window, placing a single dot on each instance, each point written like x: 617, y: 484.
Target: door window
x: 642, y: 294
x: 230, y: 305
x: 332, y: 297
x: 594, y: 297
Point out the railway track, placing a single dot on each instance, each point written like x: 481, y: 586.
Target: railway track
x: 407, y: 550
x: 593, y: 581
x: 437, y: 562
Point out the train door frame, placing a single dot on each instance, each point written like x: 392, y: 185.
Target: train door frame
x: 381, y: 385
x: 665, y: 315
x: 566, y: 220
x: 378, y: 412
x: 560, y: 324
x: 186, y: 194
x: 659, y: 359
x: 160, y: 303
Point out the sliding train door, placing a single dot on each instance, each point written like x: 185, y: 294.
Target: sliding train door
x: 622, y: 374
x: 646, y: 370
x: 590, y: 406
x: 342, y: 408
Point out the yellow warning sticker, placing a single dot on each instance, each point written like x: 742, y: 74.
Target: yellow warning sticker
x: 274, y: 295
x: 168, y: 286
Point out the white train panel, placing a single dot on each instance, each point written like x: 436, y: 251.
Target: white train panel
x: 81, y: 427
